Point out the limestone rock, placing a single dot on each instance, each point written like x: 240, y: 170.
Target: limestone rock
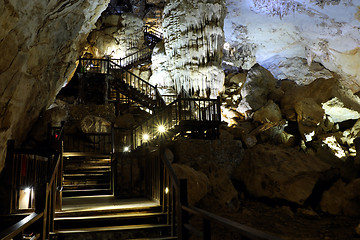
x: 296, y: 69
x: 279, y: 172
x: 94, y: 124
x: 116, y: 36
x: 40, y: 42
x: 342, y: 198
x: 193, y: 40
x: 259, y: 83
x: 309, y: 117
x: 238, y: 79
x: 268, y: 113
x: 198, y: 183
x: 222, y: 192
x: 321, y: 91
x: 338, y: 112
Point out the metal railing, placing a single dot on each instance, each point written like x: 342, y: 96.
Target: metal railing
x: 40, y: 171
x: 151, y: 28
x: 133, y: 58
x: 181, y: 112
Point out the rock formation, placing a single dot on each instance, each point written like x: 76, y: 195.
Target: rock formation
x: 39, y: 44
x: 193, y: 39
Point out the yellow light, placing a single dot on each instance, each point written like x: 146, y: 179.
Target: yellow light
x: 166, y: 190
x: 146, y: 137
x: 161, y: 129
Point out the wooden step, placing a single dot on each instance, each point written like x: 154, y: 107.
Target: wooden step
x: 115, y: 219
x: 86, y: 192
x: 111, y: 228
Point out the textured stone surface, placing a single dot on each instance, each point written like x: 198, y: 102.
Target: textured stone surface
x: 193, y: 39
x: 39, y: 44
x: 254, y: 92
x: 342, y: 198
x: 258, y: 30
x: 198, y: 183
x: 269, y: 113
x: 117, y: 36
x: 279, y: 172
x: 321, y: 90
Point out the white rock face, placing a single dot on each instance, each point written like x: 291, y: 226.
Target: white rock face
x: 117, y: 36
x: 39, y: 44
x: 258, y: 30
x: 193, y: 39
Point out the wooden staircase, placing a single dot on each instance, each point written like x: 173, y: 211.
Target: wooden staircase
x: 86, y: 174
x: 134, y: 219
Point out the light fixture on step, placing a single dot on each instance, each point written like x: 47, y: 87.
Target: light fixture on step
x: 161, y: 129
x: 145, y: 137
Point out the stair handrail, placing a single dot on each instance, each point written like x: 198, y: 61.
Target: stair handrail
x: 18, y: 228
x: 134, y: 57
x: 154, y: 92
x: 150, y: 29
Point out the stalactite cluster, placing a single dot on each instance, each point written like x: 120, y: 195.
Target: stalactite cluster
x: 193, y: 39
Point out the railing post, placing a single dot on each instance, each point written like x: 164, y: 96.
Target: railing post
x: 206, y: 229
x: 10, y: 162
x: 183, y: 215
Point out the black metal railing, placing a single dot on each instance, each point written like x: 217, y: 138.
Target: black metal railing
x: 40, y: 173
x: 153, y: 29
x: 181, y: 112
x: 144, y: 53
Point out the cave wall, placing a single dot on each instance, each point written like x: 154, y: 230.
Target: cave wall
x: 39, y: 44
x: 323, y: 31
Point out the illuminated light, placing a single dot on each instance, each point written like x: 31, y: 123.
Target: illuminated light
x: 126, y: 149
x: 166, y: 190
x: 27, y: 190
x: 161, y: 129
x: 146, y: 137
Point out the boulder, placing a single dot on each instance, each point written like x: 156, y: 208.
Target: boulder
x: 268, y: 113
x: 296, y: 69
x: 259, y: 83
x: 342, y: 198
x: 197, y: 182
x: 222, y: 192
x: 238, y: 79
x: 279, y: 172
x: 310, y: 116
x: 94, y: 124
x: 336, y: 109
x: 321, y: 91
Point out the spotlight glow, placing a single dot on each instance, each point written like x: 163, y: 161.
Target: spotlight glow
x: 27, y: 190
x: 166, y: 190
x: 126, y: 149
x: 146, y: 137
x: 161, y: 129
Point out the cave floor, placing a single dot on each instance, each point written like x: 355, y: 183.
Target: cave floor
x: 286, y: 223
